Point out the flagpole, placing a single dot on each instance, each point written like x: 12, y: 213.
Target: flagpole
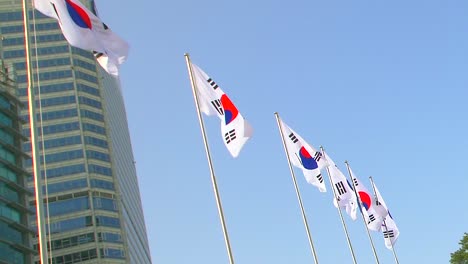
x: 362, y: 214
x: 385, y: 224
x: 293, y: 176
x: 339, y: 211
x: 210, y: 163
x: 34, y: 144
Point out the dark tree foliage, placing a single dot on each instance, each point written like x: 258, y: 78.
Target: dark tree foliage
x: 461, y: 256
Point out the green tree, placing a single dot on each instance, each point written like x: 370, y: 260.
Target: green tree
x: 461, y: 256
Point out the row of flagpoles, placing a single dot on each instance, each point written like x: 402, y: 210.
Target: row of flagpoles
x: 83, y: 29
x: 349, y: 195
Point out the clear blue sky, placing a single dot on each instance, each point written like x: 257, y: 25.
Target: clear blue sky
x: 382, y: 84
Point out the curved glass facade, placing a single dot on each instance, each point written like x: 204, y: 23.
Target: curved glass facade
x: 15, y: 237
x: 92, y: 194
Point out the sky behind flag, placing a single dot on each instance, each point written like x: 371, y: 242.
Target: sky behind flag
x: 382, y: 84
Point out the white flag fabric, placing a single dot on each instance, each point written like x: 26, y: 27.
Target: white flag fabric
x: 374, y: 212
x: 343, y: 189
x: 213, y: 101
x: 389, y: 228
x: 305, y: 157
x: 390, y: 232
x: 85, y: 30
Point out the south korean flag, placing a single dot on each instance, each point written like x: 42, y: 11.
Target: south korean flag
x: 235, y: 130
x: 305, y: 157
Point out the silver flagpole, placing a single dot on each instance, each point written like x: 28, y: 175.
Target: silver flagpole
x: 385, y: 224
x: 293, y: 176
x: 42, y: 237
x: 362, y: 214
x: 339, y: 211
x: 208, y: 156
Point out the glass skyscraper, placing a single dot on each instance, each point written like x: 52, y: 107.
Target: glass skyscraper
x: 92, y: 195
x: 15, y: 235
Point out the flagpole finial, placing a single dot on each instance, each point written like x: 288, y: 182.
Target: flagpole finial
x: 186, y: 54
x: 346, y: 162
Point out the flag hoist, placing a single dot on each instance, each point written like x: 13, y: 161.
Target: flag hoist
x: 389, y: 228
x: 370, y: 210
x: 342, y: 197
x: 302, y: 155
x: 235, y: 130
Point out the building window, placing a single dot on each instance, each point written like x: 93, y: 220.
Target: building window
x: 70, y: 224
x: 64, y: 171
x: 10, y: 255
x: 94, y: 128
x: 68, y: 206
x: 9, y: 193
x: 112, y: 253
x: 52, y: 129
x: 9, y: 212
x: 96, y: 142
x: 92, y: 115
x: 87, y: 89
x: 66, y: 186
x: 84, y: 76
x: 90, y: 102
x: 109, y: 237
x: 95, y: 183
x: 58, y: 114
x: 92, y: 154
x: 105, y: 204
x: 106, y: 171
x: 107, y: 221
x: 63, y: 156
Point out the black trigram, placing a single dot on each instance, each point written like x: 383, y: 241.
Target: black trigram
x: 389, y: 234
x: 371, y: 218
x: 293, y: 137
x: 317, y: 156
x: 230, y: 136
x: 320, y: 178
x: 97, y: 54
x: 212, y: 83
x: 217, y: 105
x: 377, y: 202
x: 355, y: 182
x: 340, y: 188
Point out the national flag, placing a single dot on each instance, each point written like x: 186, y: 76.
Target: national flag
x: 344, y: 192
x: 213, y: 101
x: 389, y: 228
x: 85, y: 30
x: 374, y: 212
x: 305, y: 157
